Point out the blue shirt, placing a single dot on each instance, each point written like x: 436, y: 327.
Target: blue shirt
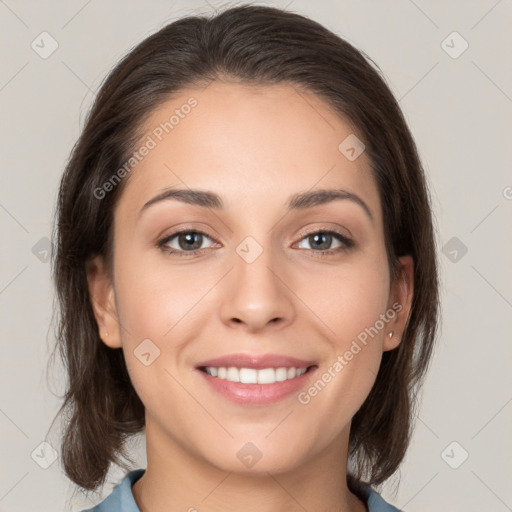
x: 121, y: 498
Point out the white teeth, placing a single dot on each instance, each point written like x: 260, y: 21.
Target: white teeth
x: 248, y: 375
x: 266, y: 376
x: 253, y: 376
x: 281, y: 374
x: 233, y: 375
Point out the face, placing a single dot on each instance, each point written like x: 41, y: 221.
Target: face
x: 259, y: 276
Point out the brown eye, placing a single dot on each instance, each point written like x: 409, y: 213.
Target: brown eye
x: 190, y: 240
x: 183, y: 242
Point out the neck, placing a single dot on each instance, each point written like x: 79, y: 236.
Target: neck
x: 177, y: 480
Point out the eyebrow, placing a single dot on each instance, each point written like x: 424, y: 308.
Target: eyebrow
x: 298, y: 201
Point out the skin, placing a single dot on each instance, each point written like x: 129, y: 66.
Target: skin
x: 255, y: 147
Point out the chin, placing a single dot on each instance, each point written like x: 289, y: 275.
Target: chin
x: 248, y: 459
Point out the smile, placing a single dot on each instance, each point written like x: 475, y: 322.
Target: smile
x: 254, y: 376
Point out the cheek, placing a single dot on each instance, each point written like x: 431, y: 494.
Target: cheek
x: 352, y: 303
x: 350, y: 298
x: 161, y: 308
x: 152, y: 298
x: 156, y: 310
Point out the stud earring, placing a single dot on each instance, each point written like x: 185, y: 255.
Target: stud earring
x: 390, y: 334
x: 106, y: 334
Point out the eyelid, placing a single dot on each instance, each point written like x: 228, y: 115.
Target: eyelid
x: 337, y: 231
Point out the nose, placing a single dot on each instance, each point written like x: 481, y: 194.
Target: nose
x: 256, y: 294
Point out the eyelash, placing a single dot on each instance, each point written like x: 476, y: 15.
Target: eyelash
x: 347, y: 243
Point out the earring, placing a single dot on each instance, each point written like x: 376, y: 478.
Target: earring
x: 106, y: 334
x: 390, y: 334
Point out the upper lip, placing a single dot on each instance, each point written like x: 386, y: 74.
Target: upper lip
x: 256, y: 361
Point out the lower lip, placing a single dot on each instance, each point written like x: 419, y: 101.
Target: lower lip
x: 257, y: 394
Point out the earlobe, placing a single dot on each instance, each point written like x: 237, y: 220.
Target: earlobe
x: 401, y: 296
x: 101, y: 293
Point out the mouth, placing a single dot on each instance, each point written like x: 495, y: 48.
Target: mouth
x: 256, y: 379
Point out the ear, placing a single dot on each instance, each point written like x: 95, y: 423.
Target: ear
x: 101, y: 292
x: 400, y: 301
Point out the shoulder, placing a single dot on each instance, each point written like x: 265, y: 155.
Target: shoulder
x: 121, y: 498
x: 376, y: 503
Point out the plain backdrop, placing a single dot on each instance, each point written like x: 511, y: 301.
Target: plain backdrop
x: 456, y: 92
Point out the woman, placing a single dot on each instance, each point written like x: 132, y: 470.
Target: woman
x: 246, y: 269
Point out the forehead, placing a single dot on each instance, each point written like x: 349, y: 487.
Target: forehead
x: 256, y: 144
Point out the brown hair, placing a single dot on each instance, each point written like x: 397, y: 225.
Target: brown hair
x: 258, y: 45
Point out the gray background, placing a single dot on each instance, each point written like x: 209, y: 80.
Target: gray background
x: 459, y: 108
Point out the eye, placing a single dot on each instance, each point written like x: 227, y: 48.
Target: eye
x: 189, y: 242
x: 183, y: 242
x: 321, y: 242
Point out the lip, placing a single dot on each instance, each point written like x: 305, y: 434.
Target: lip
x: 256, y: 362
x: 257, y: 394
